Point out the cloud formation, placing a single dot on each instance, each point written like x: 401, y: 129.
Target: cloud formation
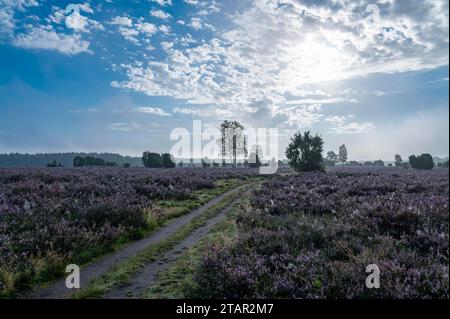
x: 42, y: 38
x: 153, y: 110
x: 279, y: 49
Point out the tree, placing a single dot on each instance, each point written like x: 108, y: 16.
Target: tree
x: 378, y: 163
x: 280, y: 163
x: 167, y: 161
x: 398, y: 160
x: 343, y: 154
x: 150, y: 159
x: 233, y: 142
x: 331, y: 158
x: 305, y: 152
x: 424, y: 161
x: 78, y: 161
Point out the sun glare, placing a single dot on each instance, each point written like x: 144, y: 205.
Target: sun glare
x: 312, y: 62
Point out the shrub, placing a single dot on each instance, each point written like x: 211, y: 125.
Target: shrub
x: 150, y: 159
x: 167, y: 161
x: 424, y: 161
x: 305, y: 152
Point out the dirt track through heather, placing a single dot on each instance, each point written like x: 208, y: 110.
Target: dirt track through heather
x: 58, y: 289
x: 138, y: 284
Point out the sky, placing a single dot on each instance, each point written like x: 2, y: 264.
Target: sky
x: 119, y: 76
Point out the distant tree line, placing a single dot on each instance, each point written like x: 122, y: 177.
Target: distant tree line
x: 65, y: 159
x: 79, y: 161
x: 304, y: 153
x: 443, y: 164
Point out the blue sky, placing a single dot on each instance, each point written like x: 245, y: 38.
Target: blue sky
x: 118, y: 76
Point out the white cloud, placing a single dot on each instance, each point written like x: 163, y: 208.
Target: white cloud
x: 147, y: 28
x: 8, y: 9
x: 125, y: 127
x: 382, y: 93
x: 160, y: 14
x: 130, y: 31
x: 122, y: 21
x: 198, y: 24
x: 439, y: 80
x: 337, y: 99
x: 205, y: 7
x: 164, y: 29
x: 192, y: 2
x: 211, y: 112
x: 46, y: 38
x: 344, y: 125
x: 166, y: 45
x: 74, y: 19
x: 280, y: 58
x: 301, y: 117
x: 163, y: 2
x: 153, y: 110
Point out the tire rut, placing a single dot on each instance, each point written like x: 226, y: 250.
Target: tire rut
x: 136, y: 287
x: 58, y: 289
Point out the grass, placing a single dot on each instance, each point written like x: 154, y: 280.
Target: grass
x: 52, y: 268
x: 176, y: 208
x: 177, y: 282
x: 123, y: 271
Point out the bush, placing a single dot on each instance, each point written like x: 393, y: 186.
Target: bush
x: 167, y: 161
x: 305, y: 152
x: 150, y: 159
x: 424, y: 161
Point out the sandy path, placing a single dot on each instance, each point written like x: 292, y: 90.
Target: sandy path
x: 58, y: 289
x: 144, y: 279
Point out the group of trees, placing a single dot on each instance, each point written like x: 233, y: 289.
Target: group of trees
x: 333, y: 158
x: 66, y: 159
x: 80, y: 161
x: 156, y: 160
x: 424, y: 161
x: 305, y: 154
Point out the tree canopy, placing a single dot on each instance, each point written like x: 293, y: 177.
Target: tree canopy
x: 305, y: 152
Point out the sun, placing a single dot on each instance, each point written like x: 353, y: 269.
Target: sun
x: 312, y: 61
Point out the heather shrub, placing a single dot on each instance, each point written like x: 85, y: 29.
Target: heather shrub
x: 52, y: 217
x: 312, y: 236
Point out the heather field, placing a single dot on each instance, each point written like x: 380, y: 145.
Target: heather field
x: 51, y: 217
x: 307, y: 235
x: 312, y: 235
